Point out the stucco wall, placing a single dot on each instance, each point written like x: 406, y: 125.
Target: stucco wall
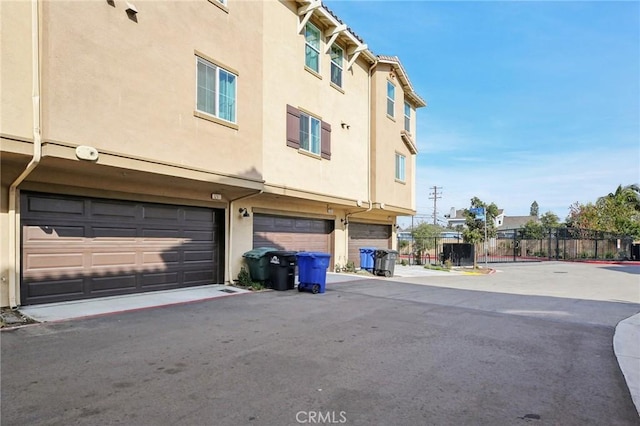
x: 16, y: 104
x: 129, y: 87
x: 287, y: 82
x: 386, y: 141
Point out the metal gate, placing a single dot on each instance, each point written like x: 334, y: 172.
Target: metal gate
x: 514, y: 245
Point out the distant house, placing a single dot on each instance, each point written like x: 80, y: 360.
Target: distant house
x: 517, y: 222
x: 511, y: 223
x: 456, y: 217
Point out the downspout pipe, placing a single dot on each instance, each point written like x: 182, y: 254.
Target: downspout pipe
x: 348, y: 215
x: 230, y: 238
x: 14, y: 192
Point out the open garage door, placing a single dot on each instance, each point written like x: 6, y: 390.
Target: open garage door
x: 78, y: 248
x: 367, y: 235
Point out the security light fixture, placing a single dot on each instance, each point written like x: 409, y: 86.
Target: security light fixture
x: 244, y: 212
x: 131, y: 9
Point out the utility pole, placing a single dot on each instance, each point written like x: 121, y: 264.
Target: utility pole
x: 435, y: 196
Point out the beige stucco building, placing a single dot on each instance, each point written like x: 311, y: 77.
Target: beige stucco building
x: 146, y: 145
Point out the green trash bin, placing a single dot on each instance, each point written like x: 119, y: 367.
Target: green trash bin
x: 258, y: 263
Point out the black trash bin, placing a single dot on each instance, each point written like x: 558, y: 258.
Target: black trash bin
x: 385, y: 262
x: 258, y: 263
x: 282, y: 269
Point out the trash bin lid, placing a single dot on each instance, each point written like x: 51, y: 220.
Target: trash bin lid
x: 257, y: 253
x: 273, y: 252
x: 312, y: 254
x: 367, y: 249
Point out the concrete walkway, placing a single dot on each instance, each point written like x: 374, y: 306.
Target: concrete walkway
x: 626, y: 346
x: 131, y: 302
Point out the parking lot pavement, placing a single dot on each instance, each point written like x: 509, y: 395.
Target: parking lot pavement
x: 369, y: 351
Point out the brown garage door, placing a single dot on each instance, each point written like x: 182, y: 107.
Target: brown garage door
x: 292, y: 233
x: 367, y: 235
x: 79, y: 248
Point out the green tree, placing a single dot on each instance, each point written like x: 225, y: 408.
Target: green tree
x: 619, y: 211
x: 475, y: 228
x: 532, y: 230
x: 533, y: 211
x: 425, y: 238
x: 549, y: 221
x: 584, y: 216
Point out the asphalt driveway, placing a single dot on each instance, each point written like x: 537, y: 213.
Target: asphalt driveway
x: 505, y: 349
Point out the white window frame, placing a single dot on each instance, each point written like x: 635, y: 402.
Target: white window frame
x: 407, y: 116
x: 308, y: 45
x: 391, y: 102
x: 401, y: 167
x: 337, y: 65
x: 308, y: 143
x: 217, y: 95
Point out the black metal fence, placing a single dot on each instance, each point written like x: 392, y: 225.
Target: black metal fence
x: 514, y: 245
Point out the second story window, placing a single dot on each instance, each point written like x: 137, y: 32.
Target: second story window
x: 309, y: 133
x: 216, y: 94
x: 407, y: 117
x: 400, y: 167
x: 337, y: 55
x: 391, y: 99
x: 312, y: 47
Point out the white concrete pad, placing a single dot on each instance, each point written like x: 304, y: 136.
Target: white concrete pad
x: 626, y: 345
x: 130, y: 302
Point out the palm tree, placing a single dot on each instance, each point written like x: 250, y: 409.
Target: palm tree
x: 628, y: 195
x: 620, y: 210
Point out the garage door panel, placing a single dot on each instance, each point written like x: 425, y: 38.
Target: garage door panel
x: 97, y: 254
x: 205, y: 218
x: 54, y: 261
x: 168, y: 258
x: 155, y: 233
x: 193, y: 256
x: 113, y: 233
x: 52, y: 232
x: 160, y: 213
x: 111, y: 283
x: 199, y: 236
x: 160, y: 279
x: 61, y: 206
x: 117, y: 259
x: 103, y: 210
x: 58, y: 287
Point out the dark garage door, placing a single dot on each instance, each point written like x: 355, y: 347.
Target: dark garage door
x: 367, y: 235
x: 79, y: 248
x: 292, y: 233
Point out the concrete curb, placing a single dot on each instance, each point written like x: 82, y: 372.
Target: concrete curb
x: 626, y: 346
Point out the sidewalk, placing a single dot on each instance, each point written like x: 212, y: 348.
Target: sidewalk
x: 626, y: 346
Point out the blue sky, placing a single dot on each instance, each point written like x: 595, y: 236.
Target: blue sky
x: 526, y: 100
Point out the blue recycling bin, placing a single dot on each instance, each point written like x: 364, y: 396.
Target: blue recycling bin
x: 312, y: 271
x: 367, y: 258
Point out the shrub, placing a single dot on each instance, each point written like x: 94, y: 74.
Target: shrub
x: 350, y: 266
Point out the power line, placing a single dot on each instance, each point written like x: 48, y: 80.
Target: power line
x: 435, y: 196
